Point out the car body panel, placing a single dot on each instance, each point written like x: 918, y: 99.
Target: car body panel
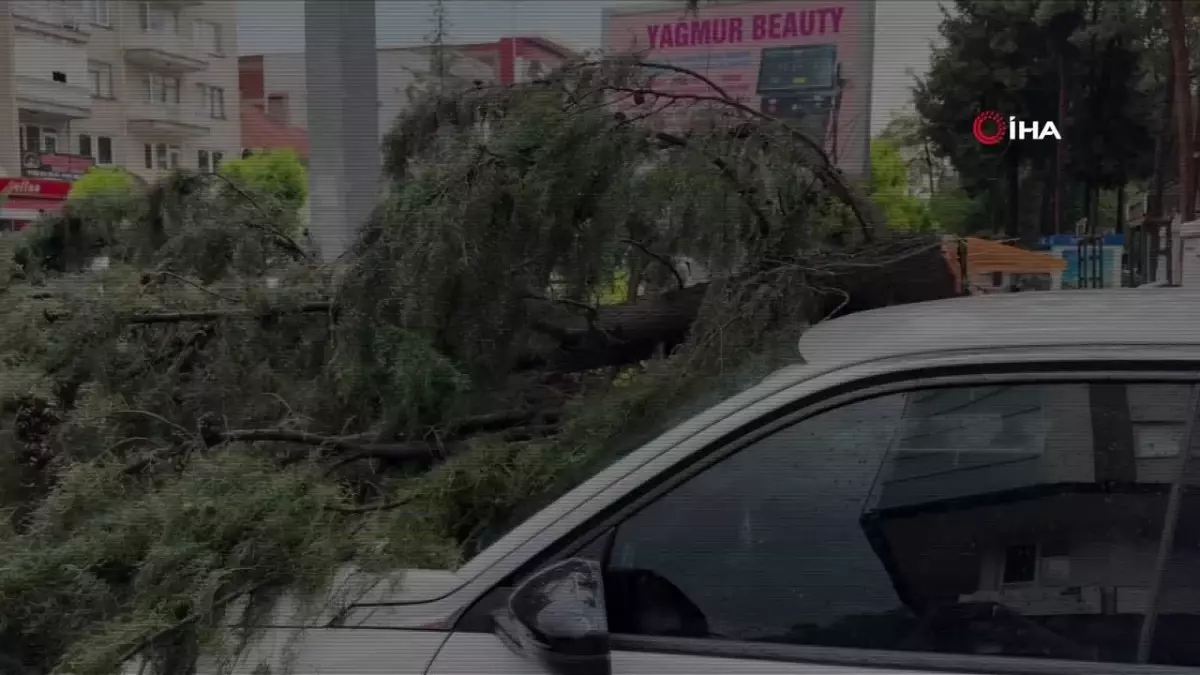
x: 1079, y: 329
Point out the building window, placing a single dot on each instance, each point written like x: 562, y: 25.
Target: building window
x: 207, y: 36
x: 208, y: 160
x: 96, y: 11
x: 85, y: 145
x: 31, y: 138
x: 162, y: 89
x: 162, y: 156
x: 277, y: 107
x: 155, y: 18
x: 39, y: 139
x: 216, y: 100
x: 1020, y: 564
x: 104, y: 150
x: 100, y: 76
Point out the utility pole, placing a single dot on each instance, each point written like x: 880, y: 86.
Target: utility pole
x: 341, y: 66
x: 10, y: 152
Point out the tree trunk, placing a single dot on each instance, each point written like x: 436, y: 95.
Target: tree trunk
x: 627, y: 334
x: 1177, y: 36
x: 1155, y: 208
x: 1120, y: 224
x: 1060, y: 149
x: 1087, y: 206
x: 1013, y: 227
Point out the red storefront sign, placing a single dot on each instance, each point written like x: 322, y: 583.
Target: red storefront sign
x: 35, y: 188
x: 26, y: 199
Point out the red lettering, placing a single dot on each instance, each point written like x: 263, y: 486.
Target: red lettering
x: 836, y: 13
x: 760, y: 27
x: 789, y: 25
x: 701, y: 32
x: 775, y: 27
x: 666, y: 37
x: 652, y: 31
x: 681, y: 34
x: 807, y: 21
x: 821, y: 23
x: 720, y: 31
x: 735, y: 30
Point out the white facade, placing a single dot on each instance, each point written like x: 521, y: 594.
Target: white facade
x: 145, y: 85
x: 399, y: 72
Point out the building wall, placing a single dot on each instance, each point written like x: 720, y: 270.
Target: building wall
x: 401, y: 71
x: 39, y: 56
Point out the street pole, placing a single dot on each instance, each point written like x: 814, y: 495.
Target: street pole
x: 341, y: 67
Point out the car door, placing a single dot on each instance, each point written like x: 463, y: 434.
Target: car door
x: 973, y: 522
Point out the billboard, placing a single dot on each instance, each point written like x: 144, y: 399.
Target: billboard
x: 808, y: 61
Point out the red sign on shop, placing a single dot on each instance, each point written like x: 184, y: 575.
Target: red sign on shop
x: 37, y: 188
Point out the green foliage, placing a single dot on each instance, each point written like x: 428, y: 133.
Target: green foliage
x: 277, y: 174
x: 1018, y: 58
x: 104, y: 181
x: 890, y: 189
x: 195, y: 423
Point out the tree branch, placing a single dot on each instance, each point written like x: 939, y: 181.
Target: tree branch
x: 659, y: 257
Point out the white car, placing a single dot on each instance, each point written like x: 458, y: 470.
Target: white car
x: 978, y: 485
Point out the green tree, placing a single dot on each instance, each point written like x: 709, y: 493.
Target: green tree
x: 179, y: 432
x: 1019, y: 58
x: 278, y: 174
x: 104, y: 181
x: 890, y: 188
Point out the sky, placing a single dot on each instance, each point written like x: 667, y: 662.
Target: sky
x: 905, y: 30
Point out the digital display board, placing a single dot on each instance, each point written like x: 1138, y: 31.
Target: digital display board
x: 802, y: 68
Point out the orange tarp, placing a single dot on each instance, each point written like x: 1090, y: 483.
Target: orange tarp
x: 985, y: 256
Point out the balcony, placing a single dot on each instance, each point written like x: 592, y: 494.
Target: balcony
x: 53, y: 99
x: 62, y: 20
x: 170, y: 121
x: 170, y: 52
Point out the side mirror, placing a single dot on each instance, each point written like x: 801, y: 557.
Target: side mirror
x: 557, y: 618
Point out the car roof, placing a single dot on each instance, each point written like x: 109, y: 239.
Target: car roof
x: 1125, y: 316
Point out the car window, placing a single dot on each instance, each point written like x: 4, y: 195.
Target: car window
x: 1019, y: 520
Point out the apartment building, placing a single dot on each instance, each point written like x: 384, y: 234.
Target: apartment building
x: 148, y: 85
x: 275, y: 85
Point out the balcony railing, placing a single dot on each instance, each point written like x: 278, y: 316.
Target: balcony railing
x: 164, y: 51
x: 53, y: 98
x: 60, y: 19
x: 177, y: 120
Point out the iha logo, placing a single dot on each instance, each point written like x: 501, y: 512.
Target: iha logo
x: 990, y: 128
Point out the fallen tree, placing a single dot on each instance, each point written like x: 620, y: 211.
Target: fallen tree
x: 199, y: 420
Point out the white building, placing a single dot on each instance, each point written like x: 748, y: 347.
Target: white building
x: 148, y: 85
x: 277, y: 83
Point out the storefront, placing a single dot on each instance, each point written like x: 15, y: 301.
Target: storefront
x: 807, y: 61
x: 24, y: 200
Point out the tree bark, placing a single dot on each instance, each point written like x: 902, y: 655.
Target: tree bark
x: 1177, y: 37
x: 1013, y: 166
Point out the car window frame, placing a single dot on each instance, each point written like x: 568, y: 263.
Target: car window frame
x: 595, y: 536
